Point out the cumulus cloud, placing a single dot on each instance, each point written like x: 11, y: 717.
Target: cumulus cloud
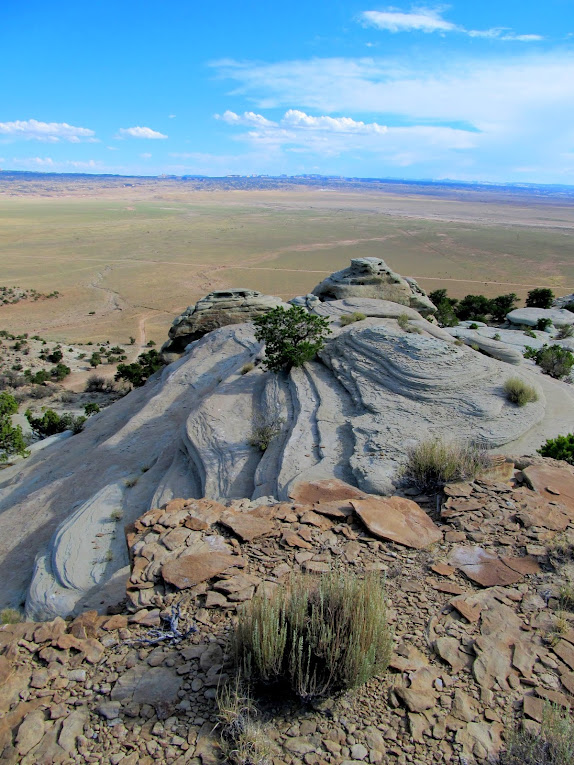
x: 48, y: 132
x: 429, y: 20
x: 298, y: 132
x: 140, y: 132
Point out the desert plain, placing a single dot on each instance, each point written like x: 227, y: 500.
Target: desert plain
x: 128, y: 255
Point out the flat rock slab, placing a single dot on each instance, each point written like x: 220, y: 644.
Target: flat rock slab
x: 329, y: 490
x: 489, y: 570
x: 143, y: 684
x: 560, y: 481
x: 397, y: 519
x: 192, y: 569
x: 246, y: 525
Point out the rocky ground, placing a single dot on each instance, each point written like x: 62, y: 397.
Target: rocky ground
x: 476, y: 584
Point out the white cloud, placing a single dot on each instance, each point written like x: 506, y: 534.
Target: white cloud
x: 247, y: 118
x: 47, y: 163
x: 395, y: 21
x: 146, y: 155
x: 298, y: 132
x: 48, y: 132
x: 171, y: 116
x: 429, y: 20
x: 140, y: 132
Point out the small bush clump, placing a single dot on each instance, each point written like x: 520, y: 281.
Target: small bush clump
x: 554, y: 745
x: 351, y: 318
x: 543, y: 324
x: 552, y: 359
x: 51, y: 423
x: 264, y: 431
x: 10, y: 616
x: 565, y: 332
x: 320, y: 635
x: 434, y: 463
x: 247, y: 367
x: 559, y: 448
x: 518, y: 392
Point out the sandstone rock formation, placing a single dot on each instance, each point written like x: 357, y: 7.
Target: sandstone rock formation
x: 187, y: 432
x: 560, y: 317
x: 218, y: 309
x: 372, y: 278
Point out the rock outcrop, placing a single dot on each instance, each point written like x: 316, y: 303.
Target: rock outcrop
x: 372, y: 278
x: 529, y: 317
x: 188, y: 432
x: 218, y: 309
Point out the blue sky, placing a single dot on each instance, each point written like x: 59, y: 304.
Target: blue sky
x: 467, y: 91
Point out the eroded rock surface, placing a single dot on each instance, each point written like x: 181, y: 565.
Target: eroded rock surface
x: 372, y: 278
x: 218, y: 309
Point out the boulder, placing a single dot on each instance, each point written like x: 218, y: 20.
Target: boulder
x: 372, y: 278
x: 397, y: 519
x: 218, y: 309
x: 529, y: 317
x: 190, y: 570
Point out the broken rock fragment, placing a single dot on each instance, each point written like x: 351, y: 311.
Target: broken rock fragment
x: 397, y: 519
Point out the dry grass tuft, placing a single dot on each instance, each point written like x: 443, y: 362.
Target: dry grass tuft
x: 518, y: 392
x: 434, y: 463
x: 351, y: 318
x: 243, y: 738
x: 10, y: 616
x: 554, y: 745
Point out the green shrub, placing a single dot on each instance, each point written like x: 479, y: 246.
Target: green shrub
x: 473, y: 326
x: 475, y: 307
x: 55, y: 356
x: 51, y: 423
x: 291, y: 336
x: 91, y: 408
x: 95, y: 359
x: 543, y: 324
x: 502, y: 305
x: 496, y: 336
x: 95, y: 383
x: 518, y: 392
x: 554, y: 745
x: 11, y: 437
x: 351, y: 318
x: 552, y: 359
x: 138, y: 371
x: 530, y: 333
x: 318, y: 635
x: 60, y: 372
x: 569, y: 307
x: 559, y: 448
x: 541, y: 297
x: 565, y: 332
x: 433, y: 463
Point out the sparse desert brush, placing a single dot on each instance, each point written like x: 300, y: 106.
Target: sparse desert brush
x: 95, y: 383
x: 434, y: 462
x: 243, y: 738
x: 116, y: 515
x: 247, y: 367
x: 351, y: 318
x: 129, y: 483
x: 565, y: 332
x: 265, y: 429
x: 10, y: 616
x: 319, y: 635
x: 518, y: 392
x: 553, y: 745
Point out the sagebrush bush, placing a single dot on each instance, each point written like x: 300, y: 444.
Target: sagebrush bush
x: 565, y: 332
x: 518, y: 392
x: 247, y: 367
x: 351, y: 318
x: 433, y: 463
x: 265, y: 429
x: 554, y: 745
x: 552, y: 359
x: 320, y: 635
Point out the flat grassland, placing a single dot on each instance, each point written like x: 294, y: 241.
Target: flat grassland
x: 128, y: 260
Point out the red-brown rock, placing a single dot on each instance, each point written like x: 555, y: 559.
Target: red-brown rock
x: 540, y: 477
x: 329, y: 490
x: 247, y: 526
x: 192, y: 569
x: 397, y: 519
